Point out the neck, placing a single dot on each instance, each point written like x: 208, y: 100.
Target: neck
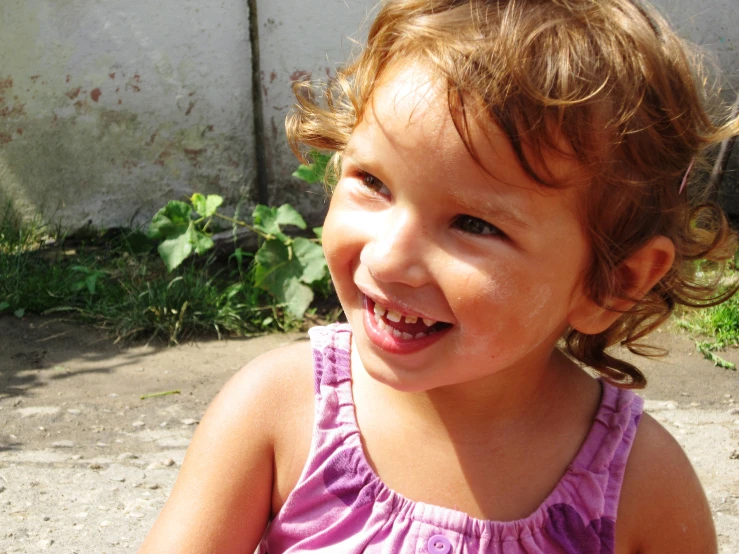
x: 503, y: 403
x: 507, y: 400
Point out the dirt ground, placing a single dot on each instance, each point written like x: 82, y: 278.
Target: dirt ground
x: 86, y: 463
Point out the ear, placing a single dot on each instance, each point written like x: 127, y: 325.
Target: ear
x: 636, y: 275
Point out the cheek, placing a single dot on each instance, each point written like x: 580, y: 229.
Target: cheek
x: 344, y: 234
x: 482, y: 302
x: 500, y: 302
x: 480, y: 290
x: 335, y: 233
x: 535, y: 305
x: 338, y: 257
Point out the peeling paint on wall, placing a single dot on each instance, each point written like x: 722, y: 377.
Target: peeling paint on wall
x: 109, y: 110
x: 299, y: 42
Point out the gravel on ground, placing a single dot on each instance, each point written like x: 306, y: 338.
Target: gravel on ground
x: 86, y: 463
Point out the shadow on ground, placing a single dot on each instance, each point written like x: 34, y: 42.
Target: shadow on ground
x: 34, y: 351
x: 38, y: 351
x: 53, y: 370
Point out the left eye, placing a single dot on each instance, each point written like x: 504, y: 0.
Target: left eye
x: 476, y: 226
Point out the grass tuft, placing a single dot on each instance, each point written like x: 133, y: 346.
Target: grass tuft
x: 717, y: 326
x: 116, y: 280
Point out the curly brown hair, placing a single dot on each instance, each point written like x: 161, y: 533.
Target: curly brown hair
x: 609, y: 76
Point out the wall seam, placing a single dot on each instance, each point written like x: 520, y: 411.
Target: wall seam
x: 257, y: 105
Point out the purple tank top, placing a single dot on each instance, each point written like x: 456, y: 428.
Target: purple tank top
x: 341, y: 506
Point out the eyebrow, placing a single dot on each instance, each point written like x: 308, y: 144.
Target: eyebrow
x: 356, y: 155
x: 510, y: 216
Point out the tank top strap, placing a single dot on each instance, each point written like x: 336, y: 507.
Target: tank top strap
x: 606, y: 449
x: 332, y: 378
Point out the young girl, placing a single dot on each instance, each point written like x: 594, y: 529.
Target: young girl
x: 511, y: 201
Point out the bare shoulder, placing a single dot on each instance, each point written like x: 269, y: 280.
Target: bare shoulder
x: 278, y: 377
x: 271, y: 388
x: 284, y: 379
x: 293, y: 429
x: 663, y: 507
x: 279, y: 384
x: 223, y: 496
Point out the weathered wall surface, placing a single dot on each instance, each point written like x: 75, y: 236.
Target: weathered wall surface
x: 301, y: 40
x: 714, y: 24
x: 110, y: 108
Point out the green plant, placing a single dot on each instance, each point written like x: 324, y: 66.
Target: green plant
x: 26, y: 280
x: 284, y: 266
x: 718, y: 325
x: 86, y: 278
x: 707, y: 349
x: 316, y: 172
x: 117, y: 279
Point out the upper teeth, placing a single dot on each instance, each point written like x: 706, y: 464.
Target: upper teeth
x: 397, y: 317
x: 394, y: 316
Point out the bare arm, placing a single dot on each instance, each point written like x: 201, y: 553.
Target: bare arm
x: 663, y: 507
x: 222, y: 498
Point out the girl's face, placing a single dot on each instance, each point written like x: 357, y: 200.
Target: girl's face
x: 417, y: 229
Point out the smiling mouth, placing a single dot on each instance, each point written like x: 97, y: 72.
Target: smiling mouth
x: 403, y: 326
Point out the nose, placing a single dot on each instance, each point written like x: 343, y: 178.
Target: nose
x: 398, y: 249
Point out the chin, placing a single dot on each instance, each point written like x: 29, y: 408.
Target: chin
x: 407, y: 380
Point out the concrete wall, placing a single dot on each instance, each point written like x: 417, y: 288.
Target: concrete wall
x: 300, y: 40
x: 714, y: 24
x: 109, y: 108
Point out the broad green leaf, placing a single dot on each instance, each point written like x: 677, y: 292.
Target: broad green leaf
x: 4, y: 306
x: 174, y: 251
x: 274, y: 268
x: 198, y: 203
x: 281, y: 275
x: 265, y: 219
x: 316, y: 171
x: 19, y: 313
x: 212, y: 203
x: 200, y: 241
x: 171, y: 221
x: 287, y: 215
x: 311, y: 259
x: 206, y: 206
x: 307, y: 173
x: 297, y: 297
x: 318, y: 231
x: 269, y: 220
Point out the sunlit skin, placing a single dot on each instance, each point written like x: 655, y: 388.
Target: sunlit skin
x: 483, y: 417
x: 417, y: 224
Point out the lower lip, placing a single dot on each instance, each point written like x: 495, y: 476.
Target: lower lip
x: 388, y: 342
